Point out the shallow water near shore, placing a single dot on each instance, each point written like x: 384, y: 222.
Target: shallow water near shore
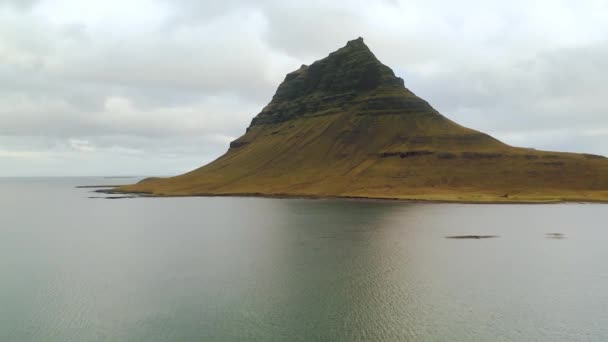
x: 76, y: 268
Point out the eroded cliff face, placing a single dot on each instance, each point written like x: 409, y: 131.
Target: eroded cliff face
x: 347, y: 126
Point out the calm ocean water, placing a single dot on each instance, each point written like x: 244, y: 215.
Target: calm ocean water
x: 75, y: 268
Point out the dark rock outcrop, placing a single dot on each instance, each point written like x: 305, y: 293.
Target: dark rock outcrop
x: 351, y: 78
x: 476, y: 237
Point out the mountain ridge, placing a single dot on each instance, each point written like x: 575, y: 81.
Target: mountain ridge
x: 346, y: 126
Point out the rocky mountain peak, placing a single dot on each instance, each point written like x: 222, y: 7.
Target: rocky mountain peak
x: 346, y: 73
x: 352, y: 68
x: 357, y: 44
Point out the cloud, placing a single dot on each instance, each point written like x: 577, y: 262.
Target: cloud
x: 159, y: 86
x: 19, y: 4
x: 82, y: 145
x: 559, y: 89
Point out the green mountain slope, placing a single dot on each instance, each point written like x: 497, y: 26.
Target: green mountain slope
x: 347, y: 126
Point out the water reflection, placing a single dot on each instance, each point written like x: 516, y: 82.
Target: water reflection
x: 334, y: 281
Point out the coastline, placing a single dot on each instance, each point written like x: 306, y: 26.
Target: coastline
x: 405, y: 199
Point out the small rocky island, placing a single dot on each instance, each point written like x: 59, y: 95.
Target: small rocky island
x: 346, y: 126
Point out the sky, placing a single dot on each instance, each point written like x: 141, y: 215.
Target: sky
x: 160, y: 87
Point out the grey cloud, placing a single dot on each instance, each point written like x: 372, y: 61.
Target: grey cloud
x: 557, y: 89
x: 300, y: 31
x: 163, y: 93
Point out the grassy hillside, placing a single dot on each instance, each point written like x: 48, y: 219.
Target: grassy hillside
x: 346, y: 126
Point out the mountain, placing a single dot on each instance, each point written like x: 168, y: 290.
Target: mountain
x: 346, y: 126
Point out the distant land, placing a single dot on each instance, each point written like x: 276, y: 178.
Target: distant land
x: 346, y: 126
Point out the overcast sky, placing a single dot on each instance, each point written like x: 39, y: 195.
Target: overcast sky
x: 159, y: 87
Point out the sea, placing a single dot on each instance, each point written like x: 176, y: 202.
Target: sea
x: 76, y: 265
